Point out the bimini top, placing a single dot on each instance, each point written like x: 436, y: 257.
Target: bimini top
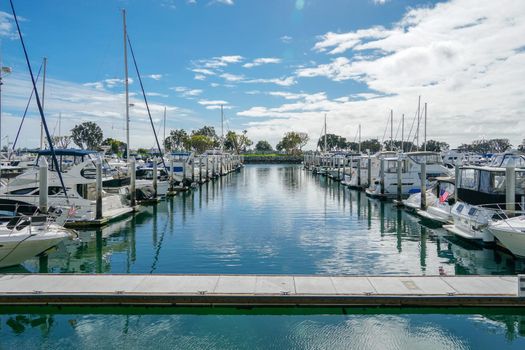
x: 67, y: 152
x: 180, y: 153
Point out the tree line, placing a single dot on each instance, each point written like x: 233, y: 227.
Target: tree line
x: 88, y: 135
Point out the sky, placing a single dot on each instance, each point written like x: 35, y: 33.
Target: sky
x: 275, y: 66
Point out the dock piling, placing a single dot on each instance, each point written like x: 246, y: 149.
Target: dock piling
x: 132, y: 184
x: 155, y: 175
x: 98, y: 210
x: 423, y: 177
x: 399, y: 179
x: 510, y: 188
x: 43, y: 195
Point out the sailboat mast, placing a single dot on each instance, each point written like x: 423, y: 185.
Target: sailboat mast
x: 126, y: 81
x: 403, y: 132
x: 164, y: 133
x: 325, y: 141
x: 222, y: 130
x: 43, y: 96
x: 425, y: 135
x: 359, y: 138
x: 418, y: 119
x: 391, y: 129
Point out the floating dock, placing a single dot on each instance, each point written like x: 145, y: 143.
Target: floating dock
x: 261, y: 290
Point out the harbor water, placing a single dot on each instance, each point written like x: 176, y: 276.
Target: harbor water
x: 268, y: 219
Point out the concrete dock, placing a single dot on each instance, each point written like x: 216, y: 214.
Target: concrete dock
x: 259, y: 290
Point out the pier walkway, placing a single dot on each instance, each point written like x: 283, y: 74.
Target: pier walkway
x: 259, y: 290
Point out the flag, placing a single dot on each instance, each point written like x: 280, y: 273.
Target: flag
x: 443, y: 196
x: 72, y: 211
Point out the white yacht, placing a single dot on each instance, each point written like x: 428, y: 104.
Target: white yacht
x: 510, y: 231
x: 410, y: 174
x: 481, y: 193
x: 24, y: 237
x: 362, y: 162
x: 77, y: 168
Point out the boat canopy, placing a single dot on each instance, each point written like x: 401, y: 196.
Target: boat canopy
x: 425, y: 157
x: 489, y: 180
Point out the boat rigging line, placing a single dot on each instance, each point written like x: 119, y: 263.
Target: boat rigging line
x: 39, y: 104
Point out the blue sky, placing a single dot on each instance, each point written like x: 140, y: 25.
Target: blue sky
x: 276, y: 65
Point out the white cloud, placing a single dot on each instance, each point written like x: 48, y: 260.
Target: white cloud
x: 203, y: 71
x: 187, y: 92
x: 156, y: 94
x: 78, y: 103
x: 224, y: 2
x: 287, y: 81
x: 260, y: 61
x: 286, y: 39
x: 154, y: 76
x: 7, y: 28
x: 232, y: 77
x: 212, y: 102
x: 108, y: 83
x: 465, y: 57
x: 217, y: 62
x: 380, y: 2
x: 199, y: 77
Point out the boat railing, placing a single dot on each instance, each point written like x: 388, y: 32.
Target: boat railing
x: 502, y: 211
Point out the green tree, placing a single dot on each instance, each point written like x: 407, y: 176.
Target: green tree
x: 200, y: 143
x: 435, y: 146
x: 176, y: 140
x: 373, y: 145
x: 117, y: 147
x: 263, y: 146
x: 237, y: 142
x: 333, y: 142
x: 521, y: 147
x: 208, y: 131
x: 87, y: 135
x: 486, y: 146
x: 291, y: 143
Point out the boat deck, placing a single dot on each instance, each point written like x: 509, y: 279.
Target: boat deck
x: 260, y: 290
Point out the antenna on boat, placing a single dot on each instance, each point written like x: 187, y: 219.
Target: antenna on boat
x: 126, y: 81
x: 39, y: 104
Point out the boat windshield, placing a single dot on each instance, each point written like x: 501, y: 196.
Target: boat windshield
x: 427, y: 158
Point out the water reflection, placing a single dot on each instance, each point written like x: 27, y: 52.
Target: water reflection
x: 272, y: 219
x: 248, y: 331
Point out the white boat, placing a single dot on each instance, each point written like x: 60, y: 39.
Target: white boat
x: 362, y: 162
x: 25, y: 237
x: 77, y: 168
x: 410, y: 174
x: 439, y: 201
x: 511, y: 233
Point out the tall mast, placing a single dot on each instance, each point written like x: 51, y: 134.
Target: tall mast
x: 59, y: 123
x: 418, y: 117
x: 126, y: 81
x: 164, y: 137
x: 425, y: 134
x: 222, y: 130
x: 391, y: 129
x: 43, y: 96
x: 359, y: 138
x: 402, y: 133
x: 325, y: 142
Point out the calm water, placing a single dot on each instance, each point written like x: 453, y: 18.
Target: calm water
x: 273, y: 220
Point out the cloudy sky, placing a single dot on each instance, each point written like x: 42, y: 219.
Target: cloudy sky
x: 275, y: 65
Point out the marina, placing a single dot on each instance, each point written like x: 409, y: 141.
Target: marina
x: 223, y: 174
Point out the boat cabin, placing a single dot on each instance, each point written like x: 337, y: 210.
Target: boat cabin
x: 487, y: 185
